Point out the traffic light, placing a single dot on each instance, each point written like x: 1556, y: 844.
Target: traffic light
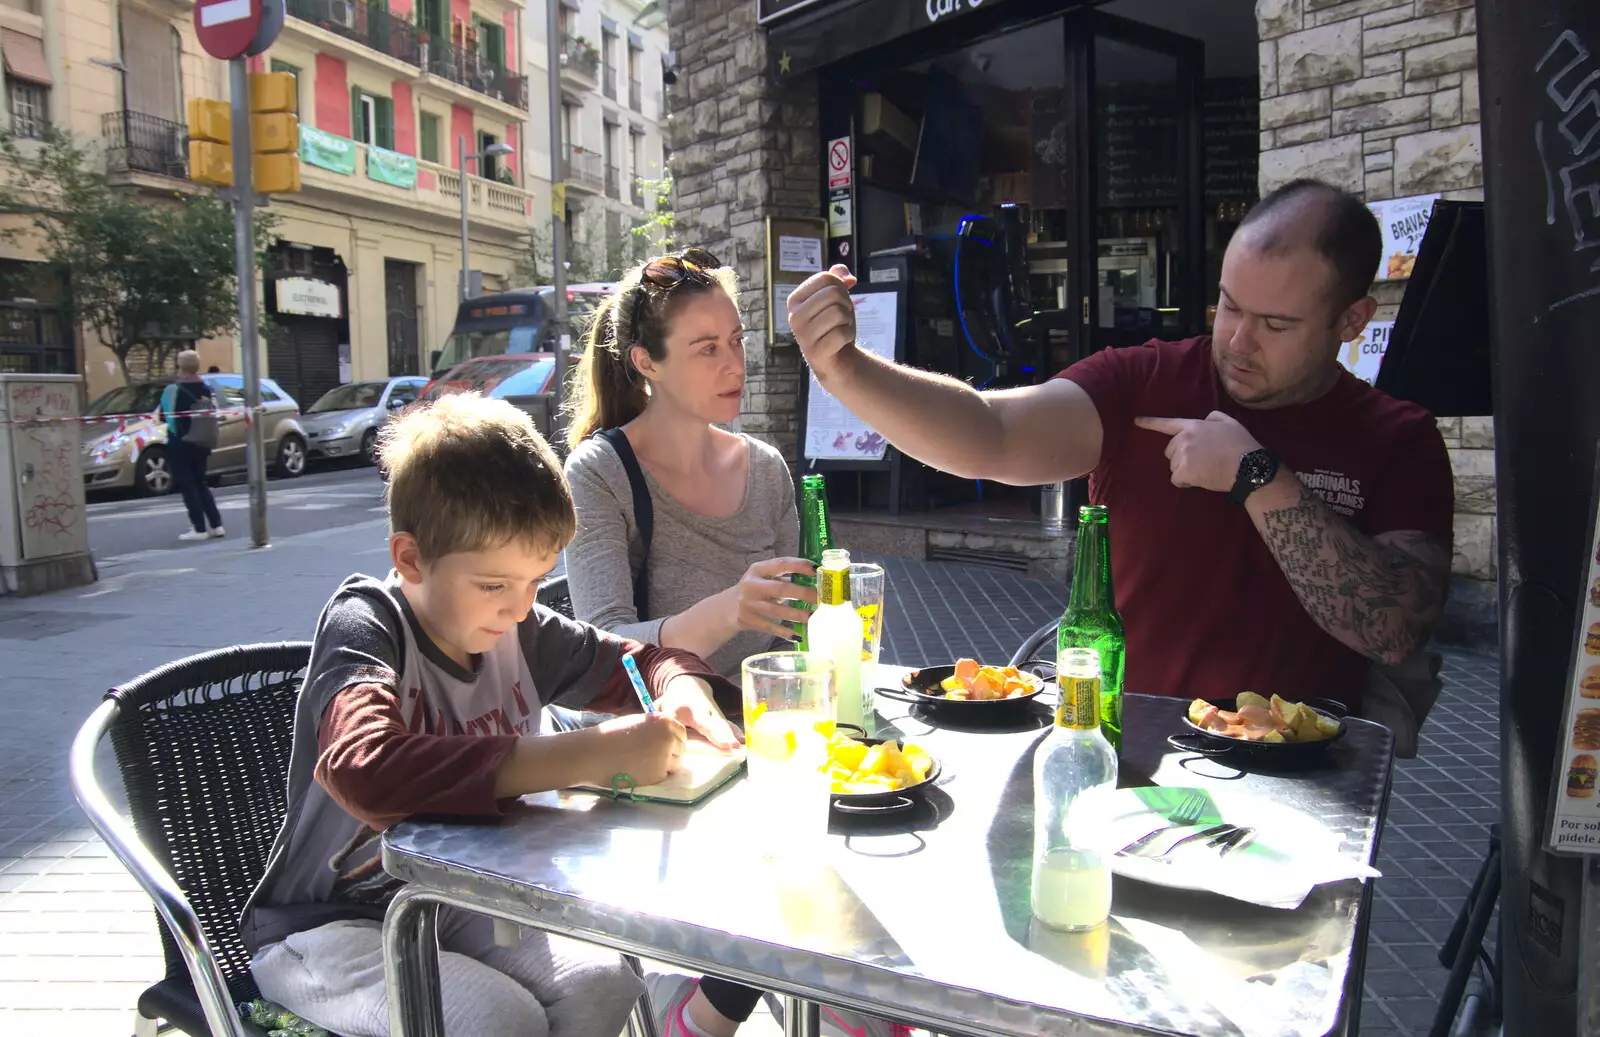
x: 210, y: 142
x: 274, y: 133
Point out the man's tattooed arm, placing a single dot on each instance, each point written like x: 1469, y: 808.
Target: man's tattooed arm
x: 1379, y: 595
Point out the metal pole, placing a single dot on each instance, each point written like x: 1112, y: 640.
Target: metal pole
x: 558, y: 217
x: 244, y: 257
x: 461, y: 150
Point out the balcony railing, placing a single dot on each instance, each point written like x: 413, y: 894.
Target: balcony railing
x: 608, y: 81
x: 636, y: 194
x: 467, y: 68
x: 435, y: 188
x: 371, y: 25
x: 614, y: 182
x: 368, y: 24
x: 586, y: 168
x: 579, y: 56
x: 636, y: 96
x: 144, y: 143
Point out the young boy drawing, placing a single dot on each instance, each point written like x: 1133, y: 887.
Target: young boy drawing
x: 423, y: 696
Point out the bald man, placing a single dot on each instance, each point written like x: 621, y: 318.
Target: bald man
x: 1277, y: 523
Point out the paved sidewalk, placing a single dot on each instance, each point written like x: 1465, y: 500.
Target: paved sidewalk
x: 68, y: 912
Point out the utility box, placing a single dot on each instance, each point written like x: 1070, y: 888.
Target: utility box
x: 44, y: 531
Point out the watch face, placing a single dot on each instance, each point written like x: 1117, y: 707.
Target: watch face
x: 1258, y: 467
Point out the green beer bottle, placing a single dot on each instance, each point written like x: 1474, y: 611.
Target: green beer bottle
x: 1091, y: 620
x: 814, y: 536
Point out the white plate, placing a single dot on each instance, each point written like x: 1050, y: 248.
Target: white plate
x: 1290, y: 853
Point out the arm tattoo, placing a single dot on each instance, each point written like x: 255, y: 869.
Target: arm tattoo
x: 1379, y: 596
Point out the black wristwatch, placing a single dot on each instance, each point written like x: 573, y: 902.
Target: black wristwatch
x: 1256, y: 469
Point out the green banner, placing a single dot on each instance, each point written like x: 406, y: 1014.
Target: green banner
x: 326, y: 150
x: 391, y: 167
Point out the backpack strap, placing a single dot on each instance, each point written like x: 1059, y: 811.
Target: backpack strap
x: 643, y: 513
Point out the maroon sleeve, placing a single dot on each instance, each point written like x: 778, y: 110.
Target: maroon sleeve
x: 1115, y: 380
x: 659, y: 667
x: 381, y: 773
x: 1418, y: 489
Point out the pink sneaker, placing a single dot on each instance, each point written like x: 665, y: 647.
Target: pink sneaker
x: 669, y: 992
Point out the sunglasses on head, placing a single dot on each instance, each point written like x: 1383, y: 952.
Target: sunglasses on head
x: 670, y: 271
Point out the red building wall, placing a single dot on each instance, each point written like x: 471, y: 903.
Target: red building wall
x: 405, y: 118
x: 460, y: 126
x: 333, y: 96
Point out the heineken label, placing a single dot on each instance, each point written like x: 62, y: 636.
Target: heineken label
x: 1080, y: 702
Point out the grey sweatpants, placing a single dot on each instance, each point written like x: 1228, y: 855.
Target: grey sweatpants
x: 545, y: 986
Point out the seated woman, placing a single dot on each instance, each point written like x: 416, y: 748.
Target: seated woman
x: 664, y: 363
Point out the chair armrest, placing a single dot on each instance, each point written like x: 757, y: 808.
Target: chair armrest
x: 1041, y: 637
x: 163, y: 889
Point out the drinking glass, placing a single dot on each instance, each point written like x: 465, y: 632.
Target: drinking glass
x: 788, y: 716
x: 867, y: 584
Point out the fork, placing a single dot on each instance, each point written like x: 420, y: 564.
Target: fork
x: 1188, y: 813
x: 1223, y: 838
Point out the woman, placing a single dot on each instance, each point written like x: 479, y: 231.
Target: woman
x: 664, y: 363
x: 187, y: 454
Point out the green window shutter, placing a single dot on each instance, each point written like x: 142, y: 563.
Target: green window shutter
x: 383, y: 134
x: 428, y: 129
x: 357, y: 116
x: 495, y: 44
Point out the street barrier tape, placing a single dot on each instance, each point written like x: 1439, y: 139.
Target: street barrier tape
x: 122, y: 420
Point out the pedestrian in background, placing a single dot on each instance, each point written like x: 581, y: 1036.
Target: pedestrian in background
x: 190, y: 439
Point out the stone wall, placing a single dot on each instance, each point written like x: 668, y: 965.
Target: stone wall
x: 743, y: 149
x: 1381, y: 98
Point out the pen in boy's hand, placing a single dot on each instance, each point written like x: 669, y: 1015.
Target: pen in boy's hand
x: 645, y: 701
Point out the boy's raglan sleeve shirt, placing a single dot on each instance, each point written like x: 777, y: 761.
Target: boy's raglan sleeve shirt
x: 368, y: 759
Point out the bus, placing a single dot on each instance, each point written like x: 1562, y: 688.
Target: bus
x: 513, y: 322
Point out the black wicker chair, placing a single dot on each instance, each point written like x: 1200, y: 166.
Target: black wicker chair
x: 553, y: 595
x: 202, y: 745
x: 1037, y: 655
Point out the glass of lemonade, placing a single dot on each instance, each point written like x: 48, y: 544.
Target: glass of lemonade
x: 867, y: 583
x: 788, y: 718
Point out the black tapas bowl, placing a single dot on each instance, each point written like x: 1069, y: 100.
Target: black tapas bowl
x: 1265, y: 754
x: 889, y: 800
x: 921, y: 689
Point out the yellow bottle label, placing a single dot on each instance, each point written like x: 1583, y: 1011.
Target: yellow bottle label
x: 833, y: 586
x: 1080, y: 703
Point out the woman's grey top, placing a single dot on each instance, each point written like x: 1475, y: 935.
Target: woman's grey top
x: 691, y: 556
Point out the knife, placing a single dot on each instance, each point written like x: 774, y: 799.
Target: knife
x: 1131, y: 850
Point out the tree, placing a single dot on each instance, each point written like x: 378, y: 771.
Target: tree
x: 661, y: 223
x: 143, y: 273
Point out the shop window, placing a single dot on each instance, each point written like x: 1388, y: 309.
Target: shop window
x: 428, y: 136
x: 30, y: 107
x: 289, y: 70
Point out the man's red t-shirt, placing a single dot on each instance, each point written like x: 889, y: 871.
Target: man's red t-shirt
x: 1207, y: 610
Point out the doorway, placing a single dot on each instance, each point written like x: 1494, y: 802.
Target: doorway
x: 401, y: 316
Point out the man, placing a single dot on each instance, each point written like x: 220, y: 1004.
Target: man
x: 1277, y: 524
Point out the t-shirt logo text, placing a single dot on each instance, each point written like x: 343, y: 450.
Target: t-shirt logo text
x: 1335, y: 489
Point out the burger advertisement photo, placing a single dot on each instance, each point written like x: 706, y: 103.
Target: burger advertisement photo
x: 1575, y: 824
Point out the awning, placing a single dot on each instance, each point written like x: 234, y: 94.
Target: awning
x: 24, y: 57
x: 635, y: 40
x: 636, y: 128
x: 568, y: 97
x: 608, y: 25
x: 572, y: 5
x: 611, y: 118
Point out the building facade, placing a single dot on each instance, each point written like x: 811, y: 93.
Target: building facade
x: 613, y: 58
x: 1379, y: 96
x: 365, y: 275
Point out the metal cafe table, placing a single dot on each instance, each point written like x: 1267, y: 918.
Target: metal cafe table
x: 923, y: 919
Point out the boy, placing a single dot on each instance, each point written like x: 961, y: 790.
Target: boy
x: 423, y: 696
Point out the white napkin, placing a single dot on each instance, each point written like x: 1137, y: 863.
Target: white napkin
x: 1290, y: 854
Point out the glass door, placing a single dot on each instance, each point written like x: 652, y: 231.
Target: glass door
x: 1139, y: 266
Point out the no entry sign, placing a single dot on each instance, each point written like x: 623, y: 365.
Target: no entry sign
x: 227, y: 28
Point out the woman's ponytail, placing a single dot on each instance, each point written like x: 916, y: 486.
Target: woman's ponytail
x: 606, y: 392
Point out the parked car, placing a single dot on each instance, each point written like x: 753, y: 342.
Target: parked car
x: 522, y: 379
x: 129, y: 451
x: 345, y: 422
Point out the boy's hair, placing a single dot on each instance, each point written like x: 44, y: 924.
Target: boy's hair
x: 470, y: 474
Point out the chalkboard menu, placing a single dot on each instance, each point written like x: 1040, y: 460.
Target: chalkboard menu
x: 1136, y: 140
x: 1230, y: 134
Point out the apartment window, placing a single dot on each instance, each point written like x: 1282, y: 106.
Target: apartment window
x: 289, y: 70
x: 608, y: 62
x: 492, y: 44
x: 30, y: 107
x: 428, y: 137
x: 430, y: 19
x: 371, y: 119
x: 566, y: 124
x: 636, y: 139
x: 635, y: 85
x: 489, y: 165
